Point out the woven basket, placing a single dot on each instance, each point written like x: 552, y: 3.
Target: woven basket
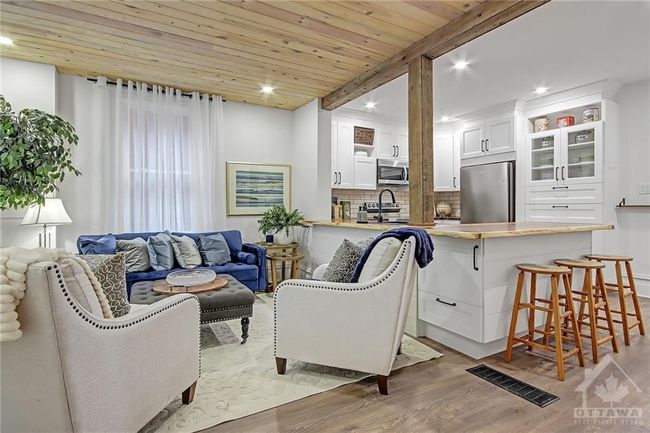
x: 364, y: 135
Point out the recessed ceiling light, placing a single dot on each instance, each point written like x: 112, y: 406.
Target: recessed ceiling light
x: 267, y: 89
x: 6, y: 41
x: 541, y: 90
x: 461, y: 64
x: 445, y: 118
x: 370, y: 104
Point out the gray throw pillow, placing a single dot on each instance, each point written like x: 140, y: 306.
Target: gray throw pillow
x: 136, y: 254
x: 345, y: 259
x: 214, y: 249
x: 110, y: 271
x: 161, y: 252
x: 186, y: 252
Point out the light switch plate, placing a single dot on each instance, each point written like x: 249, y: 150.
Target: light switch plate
x: 644, y: 188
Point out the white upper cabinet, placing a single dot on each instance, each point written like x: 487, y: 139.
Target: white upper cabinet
x: 446, y: 161
x: 488, y: 137
x: 342, y: 155
x: 402, y: 143
x: 385, y: 143
x: 365, y: 173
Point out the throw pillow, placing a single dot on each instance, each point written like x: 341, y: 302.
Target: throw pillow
x: 214, y: 249
x: 104, y: 245
x: 79, y: 286
x: 186, y: 252
x: 380, y: 258
x: 110, y: 271
x: 136, y: 254
x: 161, y: 252
x: 345, y: 259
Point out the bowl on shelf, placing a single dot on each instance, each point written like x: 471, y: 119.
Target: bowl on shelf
x: 361, y: 153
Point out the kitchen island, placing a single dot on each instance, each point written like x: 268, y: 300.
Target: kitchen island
x: 465, y: 295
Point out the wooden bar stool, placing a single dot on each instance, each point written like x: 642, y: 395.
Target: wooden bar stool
x: 593, y: 298
x: 554, y: 314
x: 623, y: 292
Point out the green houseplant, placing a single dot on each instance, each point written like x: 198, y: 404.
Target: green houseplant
x: 277, y: 219
x: 34, y: 155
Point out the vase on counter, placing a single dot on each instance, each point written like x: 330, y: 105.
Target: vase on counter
x: 443, y: 209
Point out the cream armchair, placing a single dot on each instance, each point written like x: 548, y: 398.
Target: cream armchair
x: 74, y: 372
x: 354, y: 326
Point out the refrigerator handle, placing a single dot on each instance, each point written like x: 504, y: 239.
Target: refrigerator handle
x: 474, y: 257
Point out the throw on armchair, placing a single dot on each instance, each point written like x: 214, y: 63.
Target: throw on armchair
x: 357, y: 326
x: 75, y: 371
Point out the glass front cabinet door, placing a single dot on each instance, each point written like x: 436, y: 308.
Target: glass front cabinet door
x: 544, y: 153
x: 582, y: 153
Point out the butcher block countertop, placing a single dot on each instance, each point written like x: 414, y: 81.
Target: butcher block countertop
x: 476, y: 231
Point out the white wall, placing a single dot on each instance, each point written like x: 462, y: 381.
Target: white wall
x: 633, y: 225
x: 25, y: 85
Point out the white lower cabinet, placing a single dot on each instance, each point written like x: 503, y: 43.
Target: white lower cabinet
x: 567, y: 213
x: 565, y: 194
x: 450, y: 314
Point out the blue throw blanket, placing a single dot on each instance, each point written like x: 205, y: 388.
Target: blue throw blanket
x: 423, y: 247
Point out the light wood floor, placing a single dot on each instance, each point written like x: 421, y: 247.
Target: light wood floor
x: 440, y: 396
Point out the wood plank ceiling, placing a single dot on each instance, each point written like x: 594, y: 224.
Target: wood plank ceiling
x: 304, y: 49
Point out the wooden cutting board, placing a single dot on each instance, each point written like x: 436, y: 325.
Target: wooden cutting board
x: 164, y: 288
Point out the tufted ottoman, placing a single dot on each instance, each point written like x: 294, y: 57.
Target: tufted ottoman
x: 232, y: 302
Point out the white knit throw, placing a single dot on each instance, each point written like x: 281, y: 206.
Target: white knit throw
x: 14, y: 262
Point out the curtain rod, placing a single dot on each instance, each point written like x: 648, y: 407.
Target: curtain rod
x: 125, y: 84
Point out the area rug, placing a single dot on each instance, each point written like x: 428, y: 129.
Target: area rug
x: 239, y: 380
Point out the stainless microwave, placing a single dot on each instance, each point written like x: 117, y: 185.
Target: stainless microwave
x: 392, y: 172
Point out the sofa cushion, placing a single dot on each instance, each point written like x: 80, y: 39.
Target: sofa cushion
x: 110, y: 271
x: 161, y: 252
x: 186, y: 252
x: 232, y: 237
x: 344, y: 261
x: 214, y: 249
x: 380, y: 258
x: 136, y: 254
x: 79, y: 286
x: 97, y: 245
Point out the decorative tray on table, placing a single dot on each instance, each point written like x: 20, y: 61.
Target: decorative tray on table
x: 190, y: 281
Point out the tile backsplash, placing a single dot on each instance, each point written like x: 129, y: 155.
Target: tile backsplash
x: 358, y: 197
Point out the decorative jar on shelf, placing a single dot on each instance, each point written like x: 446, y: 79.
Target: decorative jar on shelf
x: 542, y: 124
x: 591, y: 114
x: 564, y: 121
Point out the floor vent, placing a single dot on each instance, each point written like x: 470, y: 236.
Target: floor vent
x: 515, y: 386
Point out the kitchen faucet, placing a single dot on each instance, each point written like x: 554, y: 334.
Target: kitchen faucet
x: 380, y: 217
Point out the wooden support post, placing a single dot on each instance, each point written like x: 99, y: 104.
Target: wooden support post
x: 421, y: 141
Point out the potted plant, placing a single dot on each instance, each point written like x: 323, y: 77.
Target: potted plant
x: 278, y: 223
x: 34, y: 155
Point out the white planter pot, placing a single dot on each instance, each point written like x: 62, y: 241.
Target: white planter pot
x: 282, y: 238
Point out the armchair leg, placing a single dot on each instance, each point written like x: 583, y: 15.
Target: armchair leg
x: 281, y: 365
x: 245, y: 321
x: 188, y: 394
x: 382, y: 384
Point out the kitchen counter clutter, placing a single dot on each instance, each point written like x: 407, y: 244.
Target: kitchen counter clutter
x: 464, y: 296
x: 477, y: 231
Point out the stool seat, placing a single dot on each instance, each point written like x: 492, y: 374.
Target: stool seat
x: 581, y: 264
x: 608, y: 258
x: 543, y: 269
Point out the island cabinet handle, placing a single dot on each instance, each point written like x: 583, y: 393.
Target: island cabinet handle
x: 453, y: 304
x: 474, y: 257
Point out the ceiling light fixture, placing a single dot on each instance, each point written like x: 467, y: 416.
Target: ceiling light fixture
x: 461, y: 64
x: 445, y: 118
x: 267, y: 89
x: 541, y: 90
x: 370, y: 104
x: 6, y: 41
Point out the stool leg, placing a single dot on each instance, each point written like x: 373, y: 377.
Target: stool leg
x: 621, y: 298
x: 531, y: 312
x: 558, y: 330
x: 600, y: 286
x: 513, y: 318
x: 573, y: 321
x: 588, y: 288
x: 635, y: 298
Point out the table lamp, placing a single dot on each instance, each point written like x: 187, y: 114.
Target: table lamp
x: 51, y: 213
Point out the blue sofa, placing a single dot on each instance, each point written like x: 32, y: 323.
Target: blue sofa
x: 248, y: 268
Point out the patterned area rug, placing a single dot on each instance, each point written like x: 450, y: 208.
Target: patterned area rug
x: 239, y: 380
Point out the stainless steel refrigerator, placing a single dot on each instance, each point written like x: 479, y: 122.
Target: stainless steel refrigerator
x: 487, y: 193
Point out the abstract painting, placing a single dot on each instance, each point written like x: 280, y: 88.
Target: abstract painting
x: 253, y: 188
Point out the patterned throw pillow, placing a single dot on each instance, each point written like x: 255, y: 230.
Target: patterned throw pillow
x: 110, y: 271
x: 345, y: 259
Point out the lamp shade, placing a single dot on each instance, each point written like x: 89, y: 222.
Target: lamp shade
x: 51, y: 213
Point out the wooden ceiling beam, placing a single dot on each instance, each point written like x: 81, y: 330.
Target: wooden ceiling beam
x: 476, y: 22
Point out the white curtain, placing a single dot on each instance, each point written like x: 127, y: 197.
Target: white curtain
x: 155, y: 156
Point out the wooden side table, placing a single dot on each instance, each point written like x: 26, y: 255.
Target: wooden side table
x: 284, y: 258
x: 275, y: 250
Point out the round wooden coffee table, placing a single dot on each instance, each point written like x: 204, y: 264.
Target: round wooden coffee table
x: 164, y: 288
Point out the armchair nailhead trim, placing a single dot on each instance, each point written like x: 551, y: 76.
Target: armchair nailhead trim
x: 276, y: 294
x: 89, y: 319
